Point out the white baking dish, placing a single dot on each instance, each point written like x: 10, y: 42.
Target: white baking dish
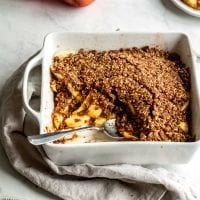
x: 112, y: 152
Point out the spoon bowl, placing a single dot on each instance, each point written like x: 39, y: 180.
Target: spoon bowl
x: 110, y: 129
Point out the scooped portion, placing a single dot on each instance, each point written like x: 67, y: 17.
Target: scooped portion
x: 146, y: 89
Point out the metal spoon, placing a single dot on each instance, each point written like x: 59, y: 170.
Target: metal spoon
x: 109, y: 129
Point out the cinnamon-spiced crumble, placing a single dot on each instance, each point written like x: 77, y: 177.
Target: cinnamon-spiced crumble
x: 146, y: 89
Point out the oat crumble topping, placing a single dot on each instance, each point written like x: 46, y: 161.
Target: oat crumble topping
x: 148, y: 89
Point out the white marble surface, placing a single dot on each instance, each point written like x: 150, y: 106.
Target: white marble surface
x: 24, y: 23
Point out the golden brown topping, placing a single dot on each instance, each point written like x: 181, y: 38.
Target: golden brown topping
x: 146, y: 89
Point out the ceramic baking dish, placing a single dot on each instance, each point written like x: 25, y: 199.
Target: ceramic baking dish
x: 112, y: 152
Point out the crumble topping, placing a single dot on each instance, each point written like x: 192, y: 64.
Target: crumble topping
x: 146, y: 89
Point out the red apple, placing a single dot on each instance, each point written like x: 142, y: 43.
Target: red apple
x: 78, y: 3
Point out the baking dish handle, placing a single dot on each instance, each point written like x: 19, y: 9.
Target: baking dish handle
x: 35, y: 61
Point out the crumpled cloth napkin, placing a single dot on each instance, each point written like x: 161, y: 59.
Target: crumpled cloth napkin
x: 80, y: 181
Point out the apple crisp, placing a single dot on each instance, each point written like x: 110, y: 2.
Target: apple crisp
x: 147, y: 91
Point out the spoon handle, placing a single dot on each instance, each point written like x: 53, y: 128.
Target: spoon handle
x: 49, y: 137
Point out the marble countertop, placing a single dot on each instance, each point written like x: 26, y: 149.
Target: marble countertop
x: 25, y: 23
